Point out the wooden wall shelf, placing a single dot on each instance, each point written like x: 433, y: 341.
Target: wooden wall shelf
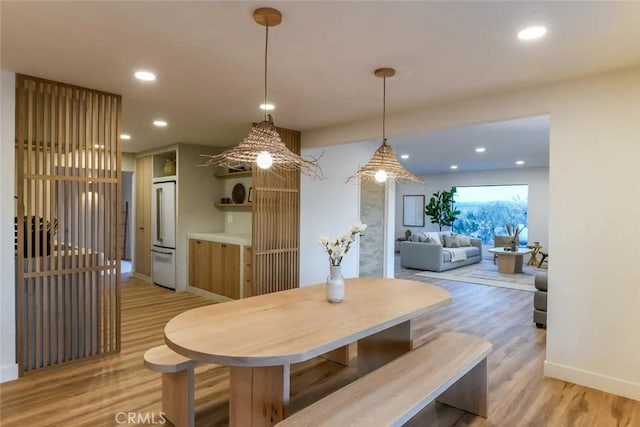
x: 234, y: 205
x: 227, y: 175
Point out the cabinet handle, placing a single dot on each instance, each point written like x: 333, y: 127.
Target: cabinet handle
x: 224, y: 246
x: 198, y: 241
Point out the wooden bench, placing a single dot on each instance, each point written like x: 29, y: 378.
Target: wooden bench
x: 177, y: 383
x: 451, y: 369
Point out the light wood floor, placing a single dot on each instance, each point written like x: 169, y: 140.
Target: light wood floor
x: 92, y: 393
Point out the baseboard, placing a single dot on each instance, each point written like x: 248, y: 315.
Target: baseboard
x: 141, y: 276
x: 208, y: 295
x: 8, y: 373
x: 592, y: 380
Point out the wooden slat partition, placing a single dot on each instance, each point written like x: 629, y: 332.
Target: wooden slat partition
x: 68, y: 155
x: 276, y: 225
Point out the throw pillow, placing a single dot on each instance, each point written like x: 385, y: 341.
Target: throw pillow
x: 463, y: 241
x: 435, y: 236
x: 451, y: 242
x: 420, y: 236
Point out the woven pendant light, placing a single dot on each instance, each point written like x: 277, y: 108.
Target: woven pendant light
x: 263, y: 146
x: 384, y: 164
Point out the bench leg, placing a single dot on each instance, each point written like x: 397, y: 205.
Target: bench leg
x: 469, y: 393
x: 381, y: 348
x: 177, y: 397
x: 258, y: 396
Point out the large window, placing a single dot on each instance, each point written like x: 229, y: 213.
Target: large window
x: 486, y: 209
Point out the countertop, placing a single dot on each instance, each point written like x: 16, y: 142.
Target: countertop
x: 234, y: 239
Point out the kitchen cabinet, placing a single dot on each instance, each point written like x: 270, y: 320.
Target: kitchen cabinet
x: 247, y: 282
x: 230, y: 265
x: 215, y: 267
x: 142, y: 254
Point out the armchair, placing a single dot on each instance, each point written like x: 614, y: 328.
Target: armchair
x: 540, y: 301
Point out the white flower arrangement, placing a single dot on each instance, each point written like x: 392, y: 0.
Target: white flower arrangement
x: 338, y: 247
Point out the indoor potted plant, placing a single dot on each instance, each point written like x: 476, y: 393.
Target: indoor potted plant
x: 513, y: 231
x: 441, y: 208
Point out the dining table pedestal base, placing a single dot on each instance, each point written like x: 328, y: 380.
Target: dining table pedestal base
x: 258, y: 396
x: 383, y: 347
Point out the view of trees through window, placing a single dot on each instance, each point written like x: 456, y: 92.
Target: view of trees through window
x: 484, y: 210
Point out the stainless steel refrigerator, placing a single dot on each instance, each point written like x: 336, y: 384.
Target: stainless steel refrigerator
x: 163, y: 234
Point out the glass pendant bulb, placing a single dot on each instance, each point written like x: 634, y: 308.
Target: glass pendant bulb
x: 381, y: 176
x: 264, y: 160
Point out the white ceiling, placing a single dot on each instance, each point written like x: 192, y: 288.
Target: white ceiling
x: 524, y: 139
x: 208, y: 56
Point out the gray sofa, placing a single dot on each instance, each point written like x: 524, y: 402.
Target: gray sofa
x: 420, y: 255
x: 540, y: 301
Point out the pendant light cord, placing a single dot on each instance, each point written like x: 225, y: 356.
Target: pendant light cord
x: 266, y: 48
x: 384, y: 110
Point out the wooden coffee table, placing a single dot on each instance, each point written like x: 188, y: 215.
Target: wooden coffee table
x: 510, y: 262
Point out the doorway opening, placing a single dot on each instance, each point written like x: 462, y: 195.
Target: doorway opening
x: 127, y: 204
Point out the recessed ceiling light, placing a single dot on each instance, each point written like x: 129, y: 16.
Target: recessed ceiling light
x: 159, y: 123
x: 454, y: 167
x: 519, y: 162
x: 532, y: 33
x: 404, y: 156
x: 125, y: 136
x: 267, y: 107
x: 480, y: 150
x: 145, y: 76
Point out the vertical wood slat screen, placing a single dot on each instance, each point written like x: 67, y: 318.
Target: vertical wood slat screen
x: 68, y: 166
x: 276, y: 225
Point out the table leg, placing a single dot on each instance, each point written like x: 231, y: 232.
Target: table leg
x: 510, y: 264
x: 381, y: 348
x: 258, y: 396
x: 341, y: 355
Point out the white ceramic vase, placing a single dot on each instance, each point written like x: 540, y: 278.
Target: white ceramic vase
x: 335, y: 284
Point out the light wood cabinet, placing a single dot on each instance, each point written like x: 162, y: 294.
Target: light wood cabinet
x: 215, y: 267
x: 200, y: 264
x: 143, y: 216
x: 247, y: 282
x: 231, y: 270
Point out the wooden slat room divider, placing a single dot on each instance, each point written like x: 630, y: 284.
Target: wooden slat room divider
x: 276, y: 225
x: 68, y: 169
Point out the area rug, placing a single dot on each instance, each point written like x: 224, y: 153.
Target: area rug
x: 486, y: 273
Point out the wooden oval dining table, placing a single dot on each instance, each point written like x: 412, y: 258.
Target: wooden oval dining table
x: 260, y: 337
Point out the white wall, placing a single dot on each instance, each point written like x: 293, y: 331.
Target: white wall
x: 329, y: 207
x: 237, y: 221
x: 8, y: 365
x: 128, y: 162
x: 536, y: 178
x: 594, y: 196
